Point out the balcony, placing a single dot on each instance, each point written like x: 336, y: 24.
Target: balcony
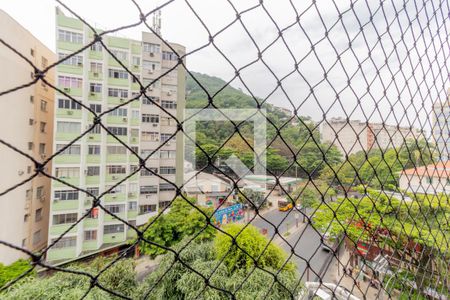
x: 95, y: 76
x: 116, y: 100
x: 73, y: 181
x: 90, y: 223
x: 117, y: 197
x: 96, y: 55
x: 92, y: 179
x: 72, y: 47
x: 75, y: 92
x: 114, y: 238
x: 61, y: 253
x: 120, y: 158
x: 132, y: 214
x: 93, y: 137
x: 114, y: 178
x: 69, y: 69
x: 68, y: 113
x: 113, y: 140
x: 67, y: 159
x: 114, y: 63
x: 117, y: 120
x: 61, y: 228
x: 118, y: 82
x: 93, y: 159
x: 90, y: 245
x: 59, y: 205
x: 109, y: 218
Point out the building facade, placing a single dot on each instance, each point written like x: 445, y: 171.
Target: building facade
x: 27, y: 123
x: 441, y: 127
x: 97, y: 162
x: 351, y: 136
x: 431, y: 179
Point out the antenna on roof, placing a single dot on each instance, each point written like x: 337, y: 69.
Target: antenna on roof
x: 157, y: 21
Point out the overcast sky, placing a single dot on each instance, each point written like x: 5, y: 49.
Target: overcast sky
x: 388, y: 88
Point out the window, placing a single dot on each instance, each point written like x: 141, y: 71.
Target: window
x: 150, y: 118
x: 135, y: 114
x: 135, y: 78
x: 68, y: 172
x: 143, y: 209
x: 151, y: 65
x: 68, y: 127
x: 72, y: 150
x: 90, y: 235
x: 66, y: 195
x: 120, y: 55
x: 167, y: 136
x: 152, y: 48
x: 97, y: 108
x: 31, y: 122
x: 28, y: 169
x: 167, y: 121
x: 166, y: 55
x: 65, y: 242
x: 37, y: 237
x: 133, y: 168
x: 29, y: 194
x: 93, y: 171
x: 42, y: 127
x: 149, y: 153
x: 120, y: 74
x: 115, y: 169
x: 114, y: 92
x: 43, y: 105
x: 134, y: 132
x: 97, y: 47
x: 430, y: 180
x: 136, y: 61
x: 70, y: 82
x: 166, y: 187
x: 168, y: 104
x: 164, y: 204
x: 118, y: 130
x: 119, y: 112
x: 69, y: 36
x: 146, y: 172
x: 97, y: 129
x: 167, y: 170
x: 68, y: 104
x: 111, y: 150
x: 65, y: 218
x: 30, y: 145
x: 31, y: 99
x: 133, y: 187
x: 167, y: 154
x: 148, y: 189
x: 116, y: 189
x: 76, y: 60
x: 115, y: 208
x: 148, y: 100
x: 39, y: 192
x: 41, y: 148
x: 96, y: 67
x: 95, y: 87
x: 32, y: 52
x: 26, y: 217
x: 107, y: 229
x: 93, y: 190
x: 150, y: 136
x: 38, y: 215
x: 93, y: 213
x: 132, y: 205
x: 94, y: 149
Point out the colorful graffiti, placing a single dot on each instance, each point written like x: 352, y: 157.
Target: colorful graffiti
x: 229, y: 214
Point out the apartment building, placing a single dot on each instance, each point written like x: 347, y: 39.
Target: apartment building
x: 97, y: 161
x: 351, y: 136
x: 27, y: 123
x: 441, y: 129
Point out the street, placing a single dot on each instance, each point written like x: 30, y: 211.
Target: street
x: 304, y: 240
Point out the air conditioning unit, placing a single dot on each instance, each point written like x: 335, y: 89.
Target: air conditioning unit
x: 88, y: 202
x: 136, y: 66
x: 20, y: 173
x: 121, y: 100
x: 91, y: 137
x: 43, y: 156
x: 55, y: 200
x: 167, y: 144
x: 66, y: 89
x: 95, y: 74
x: 80, y: 64
x: 130, y: 194
x: 125, y: 119
x: 155, y: 124
x: 42, y: 198
x: 152, y: 54
x: 114, y: 177
x: 70, y: 112
x: 150, y: 89
x: 169, y: 93
x: 92, y: 94
x: 150, y: 71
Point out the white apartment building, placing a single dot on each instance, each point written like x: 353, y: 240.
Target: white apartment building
x: 27, y: 123
x: 431, y: 179
x: 98, y: 161
x: 351, y: 136
x: 441, y: 128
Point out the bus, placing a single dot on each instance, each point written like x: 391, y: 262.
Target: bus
x: 284, y: 205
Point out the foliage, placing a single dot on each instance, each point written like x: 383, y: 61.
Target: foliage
x: 181, y: 283
x: 287, y: 136
x: 256, y: 197
x: 170, y: 228
x: 14, y: 270
x: 309, y: 195
x: 120, y: 278
x: 253, y: 245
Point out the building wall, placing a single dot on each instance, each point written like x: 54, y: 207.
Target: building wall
x: 345, y: 135
x: 146, y: 125
x: 424, y: 184
x: 441, y: 126
x: 20, y: 224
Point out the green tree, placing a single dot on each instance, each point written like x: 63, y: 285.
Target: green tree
x: 14, y: 270
x: 170, y: 228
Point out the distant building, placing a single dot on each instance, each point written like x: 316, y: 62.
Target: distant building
x: 269, y: 183
x: 351, y: 136
x: 429, y: 179
x: 27, y: 123
x: 441, y: 127
x: 208, y: 189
